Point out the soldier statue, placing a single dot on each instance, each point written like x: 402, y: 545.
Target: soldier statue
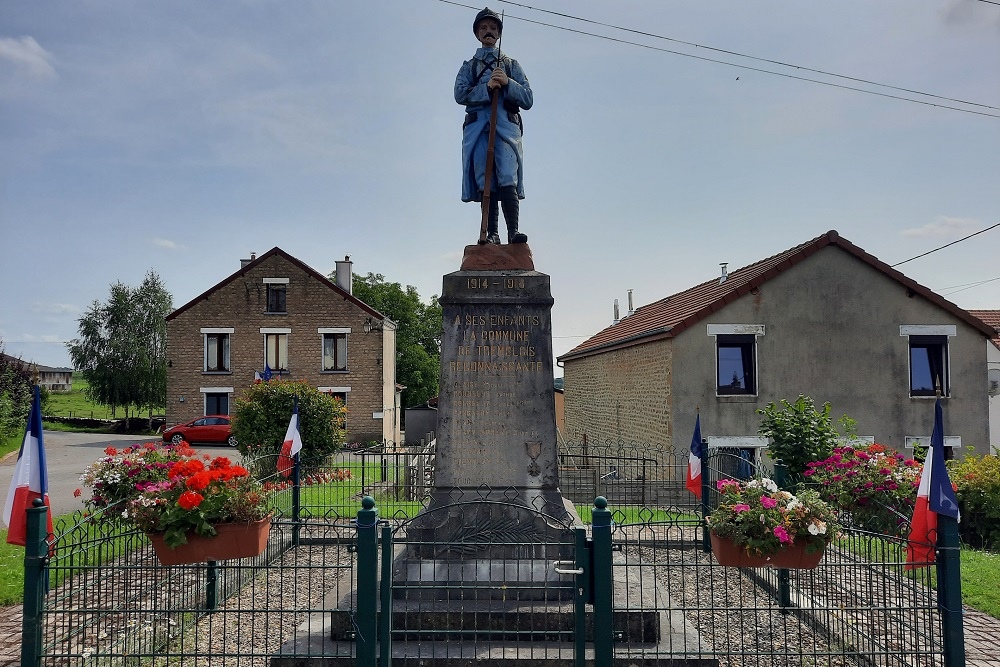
x: 491, y: 72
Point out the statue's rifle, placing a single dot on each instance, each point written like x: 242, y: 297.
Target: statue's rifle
x: 490, y: 145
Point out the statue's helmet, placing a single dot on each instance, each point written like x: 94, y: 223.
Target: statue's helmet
x: 487, y: 13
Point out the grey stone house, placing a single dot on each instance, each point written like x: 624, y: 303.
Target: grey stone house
x: 279, y: 313
x: 824, y: 319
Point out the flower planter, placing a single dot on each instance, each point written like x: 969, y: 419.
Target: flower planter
x: 234, y: 540
x: 792, y: 557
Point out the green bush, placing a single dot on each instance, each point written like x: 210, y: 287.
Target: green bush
x: 977, y: 479
x: 261, y: 417
x: 799, y: 434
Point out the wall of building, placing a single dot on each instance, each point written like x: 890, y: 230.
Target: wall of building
x: 311, y: 304
x: 622, y: 396
x: 832, y: 332
x: 993, y: 360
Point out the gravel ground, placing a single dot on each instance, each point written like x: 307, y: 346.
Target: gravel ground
x: 734, y: 618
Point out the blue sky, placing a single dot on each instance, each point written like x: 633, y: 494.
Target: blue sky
x: 181, y: 136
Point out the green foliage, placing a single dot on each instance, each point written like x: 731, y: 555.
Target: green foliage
x: 799, y: 434
x: 122, y: 344
x: 418, y: 333
x: 762, y: 519
x: 15, y: 395
x: 261, y: 415
x: 978, y: 482
x: 875, y: 484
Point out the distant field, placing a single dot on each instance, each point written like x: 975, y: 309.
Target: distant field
x: 75, y: 403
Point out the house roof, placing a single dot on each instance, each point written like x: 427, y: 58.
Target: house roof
x: 308, y: 269
x: 670, y: 316
x: 41, y: 368
x: 992, y: 319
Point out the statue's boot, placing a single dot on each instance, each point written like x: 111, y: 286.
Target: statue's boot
x: 511, y: 211
x: 493, y: 222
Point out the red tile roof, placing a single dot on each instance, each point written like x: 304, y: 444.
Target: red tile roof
x: 992, y: 319
x: 670, y: 316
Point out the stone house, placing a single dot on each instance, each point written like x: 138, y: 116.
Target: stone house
x: 824, y: 319
x: 276, y: 312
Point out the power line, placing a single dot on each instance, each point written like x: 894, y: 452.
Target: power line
x: 745, y: 67
x: 962, y: 288
x: 947, y: 245
x: 744, y: 55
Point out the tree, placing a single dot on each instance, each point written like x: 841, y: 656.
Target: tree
x: 122, y: 346
x: 418, y: 333
x: 15, y: 394
x: 262, y: 413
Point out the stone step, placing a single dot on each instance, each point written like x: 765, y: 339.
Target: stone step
x: 522, y: 623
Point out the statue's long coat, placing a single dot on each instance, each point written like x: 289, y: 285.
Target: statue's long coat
x: 471, y: 90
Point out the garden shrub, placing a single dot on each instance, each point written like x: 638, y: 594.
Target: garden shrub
x: 261, y: 417
x: 875, y: 485
x: 977, y: 479
x: 799, y: 434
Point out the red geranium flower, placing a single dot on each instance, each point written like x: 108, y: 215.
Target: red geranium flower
x: 189, y: 500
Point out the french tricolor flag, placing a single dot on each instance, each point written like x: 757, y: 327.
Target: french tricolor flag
x: 934, y: 496
x: 291, y: 446
x: 694, y: 461
x: 31, y: 479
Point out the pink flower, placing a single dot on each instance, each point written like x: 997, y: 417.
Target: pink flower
x: 768, y: 502
x: 782, y: 534
x: 741, y: 507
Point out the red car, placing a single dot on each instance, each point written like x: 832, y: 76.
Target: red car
x: 210, y: 428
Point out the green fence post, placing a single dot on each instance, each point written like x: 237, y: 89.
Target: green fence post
x: 212, y: 585
x: 385, y: 615
x: 296, y: 500
x: 35, y: 553
x: 603, y: 584
x: 366, y: 646
x: 949, y: 586
x: 706, y: 489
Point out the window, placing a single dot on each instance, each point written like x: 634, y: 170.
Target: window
x: 276, y: 351
x: 928, y: 352
x: 276, y: 298
x: 216, y: 351
x: 928, y: 365
x: 736, y: 360
x: 216, y: 404
x: 334, y: 351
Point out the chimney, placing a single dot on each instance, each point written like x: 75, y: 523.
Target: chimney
x: 344, y: 274
x: 244, y: 262
x: 617, y: 319
x: 725, y: 274
x: 630, y: 308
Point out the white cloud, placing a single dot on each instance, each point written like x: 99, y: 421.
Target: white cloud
x: 33, y: 338
x: 167, y: 244
x: 945, y: 227
x: 54, y: 308
x: 26, y: 54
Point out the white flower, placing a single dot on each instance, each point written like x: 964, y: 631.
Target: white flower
x: 817, y: 528
x: 769, y: 484
x: 793, y: 503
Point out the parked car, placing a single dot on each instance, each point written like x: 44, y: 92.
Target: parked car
x: 210, y: 428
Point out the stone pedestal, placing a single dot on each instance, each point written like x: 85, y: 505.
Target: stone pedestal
x: 496, y: 439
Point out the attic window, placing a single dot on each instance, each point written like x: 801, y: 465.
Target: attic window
x: 928, y: 352
x: 736, y: 358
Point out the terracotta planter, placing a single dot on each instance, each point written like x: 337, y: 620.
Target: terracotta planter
x: 792, y: 558
x: 234, y: 540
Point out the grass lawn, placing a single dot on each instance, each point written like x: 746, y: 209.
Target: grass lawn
x: 75, y: 403
x: 11, y: 444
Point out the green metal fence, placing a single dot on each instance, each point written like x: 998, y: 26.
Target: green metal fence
x: 644, y: 587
